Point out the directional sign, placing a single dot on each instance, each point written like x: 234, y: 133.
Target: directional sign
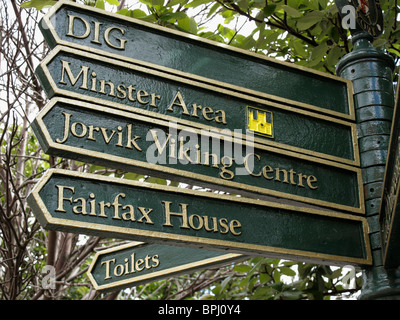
x: 121, y: 37
x: 120, y: 208
x: 117, y: 84
x: 127, y: 141
x: 137, y: 263
x: 389, y: 210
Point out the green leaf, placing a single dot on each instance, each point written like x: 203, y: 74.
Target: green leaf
x: 308, y: 20
x: 317, y: 54
x: 196, y: 3
x: 264, y: 277
x: 113, y: 2
x: 242, y: 268
x: 136, y: 13
x: 175, y: 2
x: 287, y: 271
x: 277, y: 276
x: 333, y: 56
x: 213, y: 9
x: 291, y: 11
x: 38, y: 4
x: 133, y: 176
x: 173, y: 16
x: 156, y: 181
x: 188, y: 24
x: 269, y: 9
x: 100, y: 4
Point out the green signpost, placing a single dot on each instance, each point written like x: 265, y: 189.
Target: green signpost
x: 137, y: 42
x: 126, y: 141
x: 105, y: 206
x: 128, y: 95
x: 144, y: 91
x: 135, y: 263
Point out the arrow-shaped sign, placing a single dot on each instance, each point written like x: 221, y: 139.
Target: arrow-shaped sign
x: 121, y: 208
x: 137, y: 263
x: 179, y: 53
x: 117, y: 84
x: 119, y: 139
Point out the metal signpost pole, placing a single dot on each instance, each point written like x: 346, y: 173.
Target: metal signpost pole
x: 371, y: 73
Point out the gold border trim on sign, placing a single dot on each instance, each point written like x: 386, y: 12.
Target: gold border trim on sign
x: 200, y: 179
x: 57, y: 91
x: 47, y: 220
x: 190, y: 267
x: 157, y: 28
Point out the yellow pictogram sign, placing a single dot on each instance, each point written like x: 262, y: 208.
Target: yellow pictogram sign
x: 260, y: 121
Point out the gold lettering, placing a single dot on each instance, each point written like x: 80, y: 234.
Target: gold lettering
x: 168, y: 214
x: 67, y: 117
x: 130, y: 214
x: 145, y: 215
x: 103, y: 84
x: 140, y: 95
x: 155, y: 260
x: 215, y: 224
x: 91, y: 130
x: 221, y: 118
x: 310, y: 181
x: 132, y: 141
x: 226, y: 174
x: 160, y: 148
x: 71, y: 20
x: 195, y: 107
x: 83, y: 130
x: 200, y: 222
x: 224, y: 224
x: 206, y: 113
x: 107, y: 138
x: 66, y: 69
x: 235, y: 224
x: 138, y: 264
x: 102, y: 206
x: 154, y: 97
x: 96, y: 32
x: 278, y: 176
x: 130, y: 93
x: 61, y: 198
x: 117, y: 205
x: 207, y: 156
x: 82, y: 206
x: 301, y: 176
x: 266, y: 170
x: 180, y: 103
x: 122, y: 42
x: 107, y: 263
x: 121, y: 91
x: 246, y: 165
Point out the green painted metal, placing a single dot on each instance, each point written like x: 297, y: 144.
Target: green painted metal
x: 119, y: 139
x: 389, y: 215
x: 137, y: 263
x: 120, y: 208
x: 116, y: 84
x: 121, y: 37
x: 371, y: 73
